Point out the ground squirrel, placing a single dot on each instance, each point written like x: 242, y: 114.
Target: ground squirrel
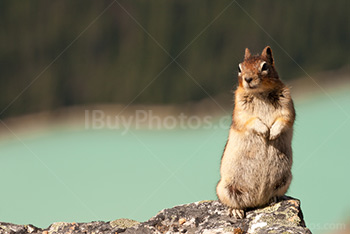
x: 256, y: 163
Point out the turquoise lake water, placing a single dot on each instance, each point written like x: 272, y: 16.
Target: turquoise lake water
x: 84, y: 175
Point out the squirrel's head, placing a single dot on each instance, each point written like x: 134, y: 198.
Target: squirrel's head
x: 257, y: 72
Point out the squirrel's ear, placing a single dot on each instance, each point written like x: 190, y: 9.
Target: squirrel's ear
x: 247, y: 53
x: 267, y: 54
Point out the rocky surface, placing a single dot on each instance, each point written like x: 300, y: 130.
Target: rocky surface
x: 205, y: 217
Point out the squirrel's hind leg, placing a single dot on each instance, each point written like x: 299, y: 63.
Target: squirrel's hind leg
x: 273, y: 200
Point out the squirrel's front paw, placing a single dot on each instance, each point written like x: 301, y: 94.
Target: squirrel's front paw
x: 262, y: 129
x: 275, y: 131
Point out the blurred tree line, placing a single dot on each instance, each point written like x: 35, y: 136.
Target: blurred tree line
x: 60, y: 53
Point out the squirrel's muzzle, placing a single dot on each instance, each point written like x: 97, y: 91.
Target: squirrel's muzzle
x: 248, y: 79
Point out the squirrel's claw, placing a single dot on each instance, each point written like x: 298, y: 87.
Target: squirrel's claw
x: 236, y: 213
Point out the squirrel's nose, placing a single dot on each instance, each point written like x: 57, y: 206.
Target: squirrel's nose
x: 248, y: 79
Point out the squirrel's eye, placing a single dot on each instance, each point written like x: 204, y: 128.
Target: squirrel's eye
x: 239, y: 69
x: 264, y: 67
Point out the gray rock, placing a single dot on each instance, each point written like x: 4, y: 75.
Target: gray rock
x: 205, y: 217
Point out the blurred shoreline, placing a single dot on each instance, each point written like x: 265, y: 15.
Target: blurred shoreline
x: 74, y: 117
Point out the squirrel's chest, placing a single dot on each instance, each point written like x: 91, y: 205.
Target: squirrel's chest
x: 267, y: 110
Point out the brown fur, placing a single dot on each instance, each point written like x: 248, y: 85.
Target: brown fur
x: 257, y: 160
